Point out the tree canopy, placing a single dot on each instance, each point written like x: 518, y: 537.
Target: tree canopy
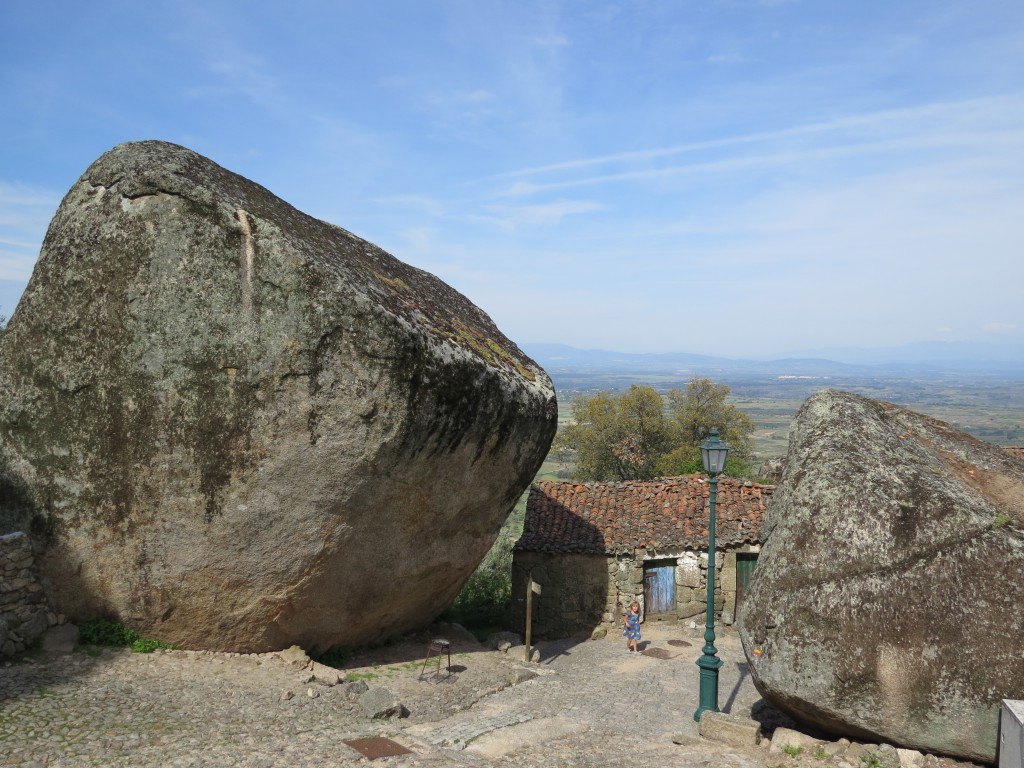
x: 637, y: 435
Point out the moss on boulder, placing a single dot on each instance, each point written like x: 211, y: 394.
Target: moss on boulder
x: 886, y: 601
x: 234, y: 426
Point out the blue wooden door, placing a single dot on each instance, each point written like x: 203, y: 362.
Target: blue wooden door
x: 660, y: 587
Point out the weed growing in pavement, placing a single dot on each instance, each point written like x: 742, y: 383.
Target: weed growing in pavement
x: 821, y: 754
x: 792, y: 750
x: 361, y: 676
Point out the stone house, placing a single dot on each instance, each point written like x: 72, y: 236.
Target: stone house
x: 595, y: 547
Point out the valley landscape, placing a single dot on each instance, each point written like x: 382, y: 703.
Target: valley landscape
x: 983, y: 397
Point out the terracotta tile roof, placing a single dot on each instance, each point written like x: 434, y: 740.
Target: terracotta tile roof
x: 666, y: 514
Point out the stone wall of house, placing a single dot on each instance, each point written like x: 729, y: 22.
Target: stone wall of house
x: 692, y: 585
x: 579, y: 592
x: 574, y: 590
x: 625, y: 584
x: 24, y: 615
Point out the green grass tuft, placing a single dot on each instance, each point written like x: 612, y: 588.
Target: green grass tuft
x: 113, y: 635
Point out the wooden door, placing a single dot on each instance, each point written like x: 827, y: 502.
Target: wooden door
x: 746, y: 562
x: 659, y: 587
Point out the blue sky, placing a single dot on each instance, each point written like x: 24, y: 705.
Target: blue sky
x: 741, y: 177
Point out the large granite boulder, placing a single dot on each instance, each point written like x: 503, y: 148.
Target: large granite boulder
x: 234, y: 426
x: 887, y: 599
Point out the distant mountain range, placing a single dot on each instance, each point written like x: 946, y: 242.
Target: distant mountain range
x: 925, y: 358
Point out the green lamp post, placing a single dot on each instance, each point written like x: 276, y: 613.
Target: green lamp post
x: 712, y: 452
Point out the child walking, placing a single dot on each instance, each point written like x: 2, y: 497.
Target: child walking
x: 631, y: 627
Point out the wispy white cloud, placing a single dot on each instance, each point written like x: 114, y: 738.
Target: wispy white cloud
x: 442, y: 99
x: 787, y: 158
x: 25, y: 196
x: 727, y: 58
x: 25, y: 212
x: 550, y: 41
x: 1008, y: 109
x: 460, y: 105
x: 431, y: 206
x: 516, y: 217
x: 756, y: 3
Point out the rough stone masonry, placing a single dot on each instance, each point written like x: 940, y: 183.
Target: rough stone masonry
x: 233, y: 426
x: 23, y: 611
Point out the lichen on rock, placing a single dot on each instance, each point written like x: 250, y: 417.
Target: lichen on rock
x: 885, y: 602
x: 243, y: 428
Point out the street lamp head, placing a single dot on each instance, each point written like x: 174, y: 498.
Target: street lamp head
x: 713, y: 452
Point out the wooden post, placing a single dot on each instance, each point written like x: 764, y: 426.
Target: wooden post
x: 531, y: 589
x: 529, y: 614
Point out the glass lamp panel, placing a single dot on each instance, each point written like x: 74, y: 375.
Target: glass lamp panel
x: 714, y: 460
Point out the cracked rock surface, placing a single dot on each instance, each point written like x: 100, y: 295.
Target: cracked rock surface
x: 233, y: 426
x: 887, y: 598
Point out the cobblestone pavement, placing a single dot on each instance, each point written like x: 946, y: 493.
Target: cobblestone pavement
x: 594, y: 704
x: 589, y: 704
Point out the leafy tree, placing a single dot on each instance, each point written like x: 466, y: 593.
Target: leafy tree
x: 617, y: 437
x: 702, y: 407
x: 483, y: 604
x: 635, y: 436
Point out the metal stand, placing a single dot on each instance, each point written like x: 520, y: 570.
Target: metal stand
x: 438, y: 647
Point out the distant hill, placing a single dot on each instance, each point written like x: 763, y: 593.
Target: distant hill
x: 923, y: 359
x: 975, y: 356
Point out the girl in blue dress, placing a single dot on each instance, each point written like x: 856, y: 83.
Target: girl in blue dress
x: 631, y: 627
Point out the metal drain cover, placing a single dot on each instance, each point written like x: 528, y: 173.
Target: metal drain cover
x: 659, y: 653
x: 377, y: 747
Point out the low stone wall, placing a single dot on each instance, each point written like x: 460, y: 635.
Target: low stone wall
x: 23, y: 611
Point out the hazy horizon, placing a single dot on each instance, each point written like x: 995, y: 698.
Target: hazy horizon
x: 1005, y: 357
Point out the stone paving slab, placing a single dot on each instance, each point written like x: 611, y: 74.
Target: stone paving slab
x: 472, y: 728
